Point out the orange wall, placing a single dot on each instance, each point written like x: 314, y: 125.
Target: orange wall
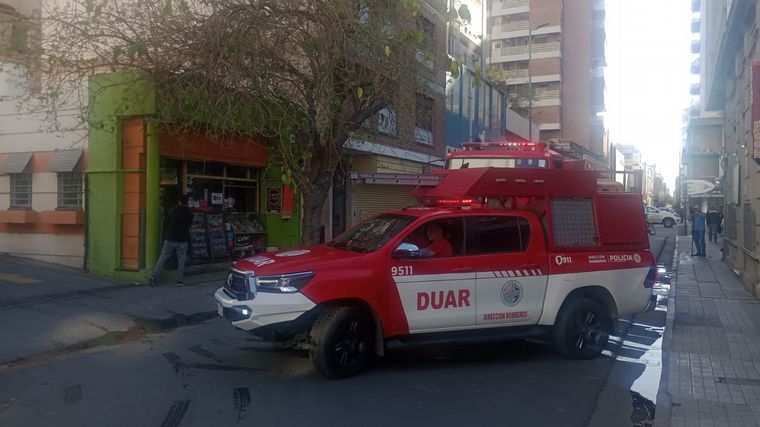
x: 132, y: 158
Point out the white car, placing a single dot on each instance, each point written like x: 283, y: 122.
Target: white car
x: 661, y: 216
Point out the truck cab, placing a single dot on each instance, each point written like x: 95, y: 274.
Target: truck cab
x: 488, y: 254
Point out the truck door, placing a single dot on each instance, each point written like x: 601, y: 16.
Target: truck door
x: 510, y: 254
x: 437, y: 290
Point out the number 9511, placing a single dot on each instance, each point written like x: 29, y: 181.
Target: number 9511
x: 402, y: 270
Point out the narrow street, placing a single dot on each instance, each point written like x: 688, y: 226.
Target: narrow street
x: 198, y: 372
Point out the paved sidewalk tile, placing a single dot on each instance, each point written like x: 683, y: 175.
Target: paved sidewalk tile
x: 712, y: 376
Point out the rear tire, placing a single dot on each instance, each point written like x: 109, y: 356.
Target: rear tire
x: 342, y: 341
x: 668, y: 222
x: 582, y: 329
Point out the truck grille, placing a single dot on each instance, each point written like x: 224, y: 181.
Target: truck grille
x: 237, y: 287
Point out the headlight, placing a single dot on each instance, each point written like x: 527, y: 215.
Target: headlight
x: 283, y: 283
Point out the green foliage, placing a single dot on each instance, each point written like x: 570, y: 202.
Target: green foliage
x: 298, y: 76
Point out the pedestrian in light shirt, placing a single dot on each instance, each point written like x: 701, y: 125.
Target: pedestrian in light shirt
x: 698, y: 230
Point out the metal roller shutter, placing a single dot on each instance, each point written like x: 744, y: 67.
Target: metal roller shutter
x: 371, y: 199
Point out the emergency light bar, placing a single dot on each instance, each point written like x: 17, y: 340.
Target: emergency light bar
x: 521, y: 146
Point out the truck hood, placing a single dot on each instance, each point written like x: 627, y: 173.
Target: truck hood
x: 314, y: 258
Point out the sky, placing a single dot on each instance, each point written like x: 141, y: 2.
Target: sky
x: 648, y: 78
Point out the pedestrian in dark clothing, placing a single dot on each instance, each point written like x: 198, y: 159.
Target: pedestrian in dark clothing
x: 698, y: 230
x: 177, y: 238
x: 713, y: 224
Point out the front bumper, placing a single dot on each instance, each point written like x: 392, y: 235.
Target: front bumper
x: 264, y: 310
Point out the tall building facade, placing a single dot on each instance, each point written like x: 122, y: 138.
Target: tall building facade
x: 551, y: 58
x: 701, y: 171
x: 731, y: 85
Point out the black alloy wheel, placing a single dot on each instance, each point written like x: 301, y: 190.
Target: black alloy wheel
x: 341, y: 341
x: 582, y: 329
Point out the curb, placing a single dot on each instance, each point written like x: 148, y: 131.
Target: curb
x: 664, y: 398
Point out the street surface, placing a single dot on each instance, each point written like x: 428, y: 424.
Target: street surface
x: 145, y: 363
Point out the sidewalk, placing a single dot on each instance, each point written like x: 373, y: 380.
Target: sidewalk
x: 48, y: 309
x: 711, y: 356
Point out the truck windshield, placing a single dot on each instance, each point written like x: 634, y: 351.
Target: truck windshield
x: 372, y: 234
x: 494, y: 162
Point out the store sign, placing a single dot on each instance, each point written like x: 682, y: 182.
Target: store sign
x: 274, y: 199
x: 243, y: 240
x: 703, y: 187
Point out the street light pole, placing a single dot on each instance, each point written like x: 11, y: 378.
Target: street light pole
x: 530, y: 79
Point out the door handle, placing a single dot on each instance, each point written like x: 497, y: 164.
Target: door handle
x: 462, y: 270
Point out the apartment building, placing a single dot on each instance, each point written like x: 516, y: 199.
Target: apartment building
x: 701, y: 168
x: 731, y: 84
x: 552, y: 56
x: 41, y: 160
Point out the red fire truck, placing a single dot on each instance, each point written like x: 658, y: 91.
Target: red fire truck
x: 490, y: 254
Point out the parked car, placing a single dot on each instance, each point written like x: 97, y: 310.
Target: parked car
x: 661, y: 216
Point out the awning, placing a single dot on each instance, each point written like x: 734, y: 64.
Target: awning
x: 16, y: 163
x: 65, y: 160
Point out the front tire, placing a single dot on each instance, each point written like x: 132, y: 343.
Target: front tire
x: 582, y: 329
x: 668, y: 222
x: 341, y: 341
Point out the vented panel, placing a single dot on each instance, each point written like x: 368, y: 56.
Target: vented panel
x: 573, y: 223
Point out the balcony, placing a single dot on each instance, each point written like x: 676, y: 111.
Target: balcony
x: 695, y: 66
x: 694, y: 90
x: 695, y: 46
x: 514, y: 50
x: 695, y: 25
x: 511, y: 4
x: 509, y: 27
x: 695, y: 5
x: 599, y: 6
x: 546, y: 94
x: 545, y: 47
x: 516, y: 74
x: 597, y: 72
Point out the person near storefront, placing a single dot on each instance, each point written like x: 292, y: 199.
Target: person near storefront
x: 177, y: 238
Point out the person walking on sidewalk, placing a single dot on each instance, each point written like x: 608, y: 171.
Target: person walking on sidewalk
x: 177, y: 238
x: 698, y: 230
x: 713, y: 224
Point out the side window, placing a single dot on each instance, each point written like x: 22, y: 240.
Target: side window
x: 573, y: 223
x: 439, y: 238
x: 499, y: 234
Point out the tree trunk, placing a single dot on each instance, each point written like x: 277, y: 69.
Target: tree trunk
x: 313, y: 205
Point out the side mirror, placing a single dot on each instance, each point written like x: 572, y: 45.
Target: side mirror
x: 406, y: 250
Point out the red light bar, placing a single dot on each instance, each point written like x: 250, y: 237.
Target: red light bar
x: 454, y: 202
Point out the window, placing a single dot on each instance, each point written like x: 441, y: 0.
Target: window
x: 573, y: 223
x: 386, y: 121
x: 499, y: 234
x: 423, y: 120
x: 21, y: 190
x: 439, y: 238
x: 427, y: 29
x: 70, y: 190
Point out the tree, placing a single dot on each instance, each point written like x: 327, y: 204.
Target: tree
x: 303, y: 76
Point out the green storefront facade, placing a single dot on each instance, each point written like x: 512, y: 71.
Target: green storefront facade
x: 136, y: 170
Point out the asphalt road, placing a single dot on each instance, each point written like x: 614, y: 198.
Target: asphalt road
x: 211, y: 374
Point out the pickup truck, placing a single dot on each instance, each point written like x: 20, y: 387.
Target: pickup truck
x: 489, y: 254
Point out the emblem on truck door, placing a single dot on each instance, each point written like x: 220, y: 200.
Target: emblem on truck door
x: 511, y: 293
